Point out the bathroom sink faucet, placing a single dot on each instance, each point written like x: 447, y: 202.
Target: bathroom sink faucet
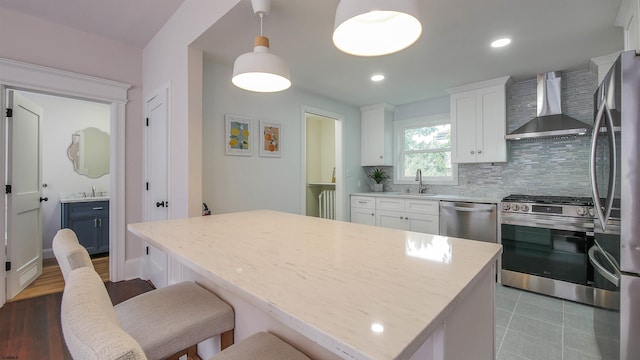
x: 421, y: 188
x: 93, y: 191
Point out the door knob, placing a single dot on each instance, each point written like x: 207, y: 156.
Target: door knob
x: 44, y: 199
x: 162, y: 204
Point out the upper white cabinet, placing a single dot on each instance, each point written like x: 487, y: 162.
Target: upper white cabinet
x: 628, y: 14
x: 479, y: 122
x: 377, y: 135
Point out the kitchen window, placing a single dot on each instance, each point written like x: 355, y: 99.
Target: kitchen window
x: 424, y: 143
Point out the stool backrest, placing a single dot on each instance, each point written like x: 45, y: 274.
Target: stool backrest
x: 89, y: 322
x: 68, y: 252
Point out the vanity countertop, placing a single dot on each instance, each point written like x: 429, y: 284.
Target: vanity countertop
x: 81, y: 197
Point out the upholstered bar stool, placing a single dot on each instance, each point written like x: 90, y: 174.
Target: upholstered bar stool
x: 164, y: 322
x: 66, y: 248
x: 167, y: 320
x: 92, y: 329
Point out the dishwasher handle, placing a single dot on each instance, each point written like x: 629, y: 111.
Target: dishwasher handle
x: 468, y: 209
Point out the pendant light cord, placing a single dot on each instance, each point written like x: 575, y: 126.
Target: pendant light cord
x: 261, y: 16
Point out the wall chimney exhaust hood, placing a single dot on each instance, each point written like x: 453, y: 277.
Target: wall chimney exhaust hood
x: 550, y: 121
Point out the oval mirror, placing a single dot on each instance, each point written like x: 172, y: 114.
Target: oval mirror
x: 89, y: 152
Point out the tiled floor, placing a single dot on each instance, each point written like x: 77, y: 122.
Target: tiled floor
x: 530, y: 326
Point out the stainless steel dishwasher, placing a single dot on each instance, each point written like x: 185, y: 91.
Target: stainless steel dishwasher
x: 467, y: 220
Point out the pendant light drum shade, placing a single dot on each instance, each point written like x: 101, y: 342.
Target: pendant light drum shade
x: 376, y: 27
x: 260, y: 71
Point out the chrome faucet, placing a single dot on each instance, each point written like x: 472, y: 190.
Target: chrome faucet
x: 421, y: 188
x: 93, y: 191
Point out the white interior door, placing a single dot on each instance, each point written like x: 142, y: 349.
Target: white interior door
x: 24, y: 174
x: 157, y: 180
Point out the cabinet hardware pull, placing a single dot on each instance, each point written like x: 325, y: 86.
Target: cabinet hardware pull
x: 95, y: 223
x: 361, y: 202
x: 479, y: 151
x: 472, y: 152
x: 100, y: 223
x: 98, y: 208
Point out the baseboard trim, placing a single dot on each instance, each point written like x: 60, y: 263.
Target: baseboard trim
x: 47, y: 254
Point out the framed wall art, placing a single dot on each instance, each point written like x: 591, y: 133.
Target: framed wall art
x: 270, y: 139
x: 238, y: 135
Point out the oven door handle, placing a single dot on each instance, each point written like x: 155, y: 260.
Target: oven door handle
x: 614, y: 278
x: 540, y: 223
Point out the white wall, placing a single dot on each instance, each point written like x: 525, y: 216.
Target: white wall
x: 236, y: 183
x: 61, y: 118
x: 422, y: 108
x: 33, y: 40
x: 168, y: 60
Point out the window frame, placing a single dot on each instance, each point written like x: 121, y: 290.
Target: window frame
x: 398, y: 150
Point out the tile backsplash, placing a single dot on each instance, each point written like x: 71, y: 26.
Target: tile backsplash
x: 536, y: 167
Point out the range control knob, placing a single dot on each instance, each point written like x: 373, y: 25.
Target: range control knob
x: 506, y: 206
x: 515, y: 207
x: 524, y: 208
x: 581, y: 211
x: 592, y: 212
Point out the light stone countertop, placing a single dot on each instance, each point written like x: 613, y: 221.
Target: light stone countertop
x: 331, y: 280
x: 435, y: 197
x: 81, y: 197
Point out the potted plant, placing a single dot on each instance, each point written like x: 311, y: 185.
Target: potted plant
x: 378, y: 175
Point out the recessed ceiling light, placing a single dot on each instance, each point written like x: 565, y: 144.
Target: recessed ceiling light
x: 377, y: 77
x: 501, y: 42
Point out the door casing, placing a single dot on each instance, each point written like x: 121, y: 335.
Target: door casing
x: 28, y: 77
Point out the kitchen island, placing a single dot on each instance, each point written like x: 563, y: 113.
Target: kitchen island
x: 341, y: 290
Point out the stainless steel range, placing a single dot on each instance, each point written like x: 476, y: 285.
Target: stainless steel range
x: 546, y: 241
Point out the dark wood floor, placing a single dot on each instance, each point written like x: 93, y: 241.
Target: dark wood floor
x: 30, y: 329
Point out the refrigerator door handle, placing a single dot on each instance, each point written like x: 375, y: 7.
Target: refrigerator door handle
x: 603, y: 215
x: 592, y: 167
x: 614, y: 278
x: 613, y: 156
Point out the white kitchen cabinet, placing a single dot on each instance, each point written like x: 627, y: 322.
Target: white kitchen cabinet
x: 377, y: 135
x: 479, y: 122
x: 363, y: 210
x: 628, y: 14
x: 408, y: 214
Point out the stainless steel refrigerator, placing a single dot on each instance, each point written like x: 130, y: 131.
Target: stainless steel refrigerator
x: 615, y: 180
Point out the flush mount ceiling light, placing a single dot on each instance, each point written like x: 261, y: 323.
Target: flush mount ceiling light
x: 377, y: 77
x: 500, y: 42
x: 376, y: 27
x: 260, y: 70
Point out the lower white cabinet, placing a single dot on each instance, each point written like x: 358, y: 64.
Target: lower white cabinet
x: 396, y: 213
x: 407, y: 221
x: 363, y: 210
x: 408, y: 214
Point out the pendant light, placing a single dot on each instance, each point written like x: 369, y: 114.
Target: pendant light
x: 261, y: 71
x: 376, y: 27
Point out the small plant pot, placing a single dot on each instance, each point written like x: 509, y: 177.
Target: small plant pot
x: 377, y: 187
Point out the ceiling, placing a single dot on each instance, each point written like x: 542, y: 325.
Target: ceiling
x: 132, y: 22
x: 548, y: 35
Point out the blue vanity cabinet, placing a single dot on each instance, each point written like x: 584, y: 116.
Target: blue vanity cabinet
x: 90, y: 221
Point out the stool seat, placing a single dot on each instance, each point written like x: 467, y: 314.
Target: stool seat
x: 167, y: 320
x: 261, y: 346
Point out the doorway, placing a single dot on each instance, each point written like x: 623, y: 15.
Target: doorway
x: 28, y: 77
x: 323, y: 181
x: 74, y: 170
